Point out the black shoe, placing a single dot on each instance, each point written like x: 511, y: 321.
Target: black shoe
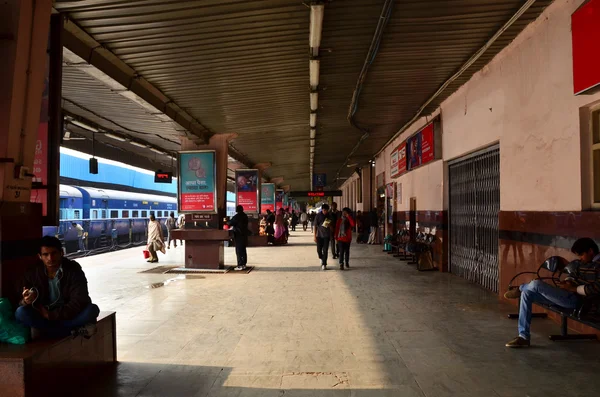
x: 341, y: 267
x: 347, y: 266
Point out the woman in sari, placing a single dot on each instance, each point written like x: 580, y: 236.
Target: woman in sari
x: 280, y: 228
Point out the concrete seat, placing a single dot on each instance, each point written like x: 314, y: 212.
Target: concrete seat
x: 43, y: 363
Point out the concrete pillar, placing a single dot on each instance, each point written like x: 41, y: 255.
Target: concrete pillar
x: 24, y: 29
x: 204, y: 246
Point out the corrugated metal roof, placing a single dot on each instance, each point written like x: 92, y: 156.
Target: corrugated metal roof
x: 242, y: 67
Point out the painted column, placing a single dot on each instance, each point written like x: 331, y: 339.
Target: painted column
x: 24, y: 28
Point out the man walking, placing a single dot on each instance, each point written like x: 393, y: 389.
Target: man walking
x: 335, y: 214
x: 304, y: 220
x: 322, y: 233
x: 239, y: 225
x: 171, y: 224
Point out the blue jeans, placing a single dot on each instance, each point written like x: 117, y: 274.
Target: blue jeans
x: 538, y: 291
x: 30, y: 317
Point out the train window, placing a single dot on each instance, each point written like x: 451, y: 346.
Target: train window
x: 144, y: 214
x: 114, y: 214
x: 159, y: 213
x: 124, y: 214
x: 95, y: 214
x: 135, y: 214
x: 152, y: 213
x: 103, y: 214
x: 76, y: 214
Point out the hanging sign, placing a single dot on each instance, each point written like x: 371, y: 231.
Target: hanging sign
x: 197, y: 177
x: 585, y: 35
x: 267, y: 197
x: 398, y: 160
x: 246, y: 190
x: 278, y: 199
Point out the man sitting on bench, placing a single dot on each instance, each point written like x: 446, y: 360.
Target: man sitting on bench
x: 582, y: 281
x: 55, y: 295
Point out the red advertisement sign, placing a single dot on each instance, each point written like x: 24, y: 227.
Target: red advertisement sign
x: 402, y: 158
x: 427, y: 145
x: 585, y: 31
x: 197, y: 201
x: 247, y: 189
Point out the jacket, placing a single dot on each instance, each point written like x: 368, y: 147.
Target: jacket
x: 73, y: 289
x: 239, y: 225
x: 349, y: 226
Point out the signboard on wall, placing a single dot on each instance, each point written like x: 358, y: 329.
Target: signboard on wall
x: 394, y: 172
x: 197, y: 177
x: 267, y: 197
x: 246, y: 190
x: 427, y: 144
x: 585, y: 31
x: 414, y: 154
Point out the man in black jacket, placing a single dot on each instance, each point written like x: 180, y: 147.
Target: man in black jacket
x: 55, y: 295
x: 239, y: 225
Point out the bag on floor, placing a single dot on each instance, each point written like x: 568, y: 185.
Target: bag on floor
x: 11, y: 331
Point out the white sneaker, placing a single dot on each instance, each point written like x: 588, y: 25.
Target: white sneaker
x: 323, y: 267
x: 240, y: 268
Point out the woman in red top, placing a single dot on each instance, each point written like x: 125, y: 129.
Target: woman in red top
x: 343, y: 235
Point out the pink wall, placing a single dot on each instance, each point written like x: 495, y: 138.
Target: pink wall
x: 524, y: 100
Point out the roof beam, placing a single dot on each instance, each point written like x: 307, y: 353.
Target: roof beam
x: 83, y: 45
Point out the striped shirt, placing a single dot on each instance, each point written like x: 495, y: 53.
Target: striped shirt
x: 585, y: 275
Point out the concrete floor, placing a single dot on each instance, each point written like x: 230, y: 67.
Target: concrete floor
x: 289, y: 329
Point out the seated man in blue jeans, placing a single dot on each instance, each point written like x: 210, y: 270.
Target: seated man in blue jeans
x: 55, y: 295
x: 583, y: 280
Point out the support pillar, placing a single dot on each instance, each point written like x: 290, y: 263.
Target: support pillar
x: 24, y: 29
x: 203, y: 233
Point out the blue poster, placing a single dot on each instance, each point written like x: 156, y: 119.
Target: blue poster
x: 319, y: 180
x: 197, y: 189
x: 267, y: 197
x: 413, y: 151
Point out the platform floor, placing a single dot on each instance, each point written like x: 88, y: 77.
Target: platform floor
x: 289, y: 329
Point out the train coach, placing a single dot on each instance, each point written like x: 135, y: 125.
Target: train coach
x: 108, y: 217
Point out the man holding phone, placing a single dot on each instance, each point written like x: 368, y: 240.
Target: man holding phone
x: 55, y: 295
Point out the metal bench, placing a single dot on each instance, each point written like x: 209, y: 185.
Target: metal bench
x: 588, y: 313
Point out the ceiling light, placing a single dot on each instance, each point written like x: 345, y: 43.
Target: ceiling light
x: 312, y: 142
x: 113, y: 136
x: 313, y: 133
x: 313, y: 119
x: 157, y: 151
x: 134, y: 143
x: 316, y: 27
x: 312, y: 149
x: 84, y: 125
x: 314, y: 73
x: 314, y: 100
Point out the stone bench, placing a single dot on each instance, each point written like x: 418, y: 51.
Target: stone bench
x: 39, y: 366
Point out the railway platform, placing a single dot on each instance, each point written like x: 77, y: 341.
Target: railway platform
x: 289, y: 329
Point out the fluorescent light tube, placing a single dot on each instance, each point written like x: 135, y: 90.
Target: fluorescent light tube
x: 314, y: 100
x: 312, y: 142
x: 157, y: 151
x: 313, y: 133
x: 134, y: 143
x: 113, y: 136
x: 84, y: 125
x: 314, y: 73
x: 313, y: 120
x: 316, y: 26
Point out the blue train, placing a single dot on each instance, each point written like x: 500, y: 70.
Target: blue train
x: 108, y: 217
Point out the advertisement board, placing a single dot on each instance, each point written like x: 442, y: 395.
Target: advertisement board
x: 427, y: 144
x: 267, y: 197
x: 246, y: 190
x: 394, y: 163
x: 413, y: 152
x: 401, y: 158
x: 278, y: 199
x: 585, y: 32
x: 197, y: 181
